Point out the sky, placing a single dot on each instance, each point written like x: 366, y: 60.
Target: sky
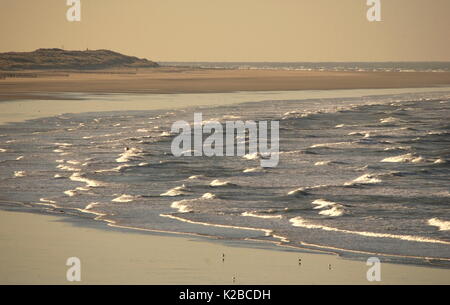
x: 234, y: 30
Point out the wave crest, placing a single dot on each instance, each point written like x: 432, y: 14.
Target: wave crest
x: 441, y: 224
x: 176, y: 191
x: 302, y: 223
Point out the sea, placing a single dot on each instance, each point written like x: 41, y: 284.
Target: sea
x: 359, y: 175
x: 322, y: 66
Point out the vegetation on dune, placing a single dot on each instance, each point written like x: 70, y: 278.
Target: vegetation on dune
x: 52, y: 59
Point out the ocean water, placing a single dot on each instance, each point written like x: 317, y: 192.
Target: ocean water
x: 357, y: 176
x: 323, y: 66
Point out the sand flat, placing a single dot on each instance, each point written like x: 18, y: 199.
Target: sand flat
x: 190, y: 80
x: 32, y: 106
x: 35, y: 249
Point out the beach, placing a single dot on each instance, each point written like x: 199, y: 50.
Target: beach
x: 35, y: 248
x: 36, y: 245
x: 195, y: 80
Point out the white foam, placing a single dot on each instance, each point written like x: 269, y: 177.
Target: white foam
x: 63, y: 144
x: 322, y: 163
x: 322, y: 203
x: 292, y: 112
x: 125, y: 198
x: 165, y: 134
x: 68, y: 168
x: 218, y: 182
x: 129, y: 155
x: 73, y: 162
x: 365, y: 179
x: 438, y: 133
x: 19, y: 158
x: 363, y: 168
x: 441, y: 224
x: 299, y: 191
x: 119, y: 168
x: 389, y: 120
x: 404, y: 159
x: 208, y: 196
x: 440, y: 161
x: 70, y: 193
x: 48, y: 202
x: 358, y: 133
x: 253, y: 214
x: 397, y: 148
x: 266, y: 231
x: 89, y: 182
x: 252, y: 156
x: 182, y: 206
x: 333, y: 209
x: 231, y: 117
x: 91, y: 205
x: 282, y: 153
x: 185, y: 206
x: 176, y: 191
x: 418, y: 160
x: 19, y: 174
x: 83, y: 188
x: 253, y: 170
x: 302, y: 223
x: 329, y: 144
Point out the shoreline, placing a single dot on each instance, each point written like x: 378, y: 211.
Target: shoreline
x: 86, y: 218
x: 201, y: 260
x: 15, y: 111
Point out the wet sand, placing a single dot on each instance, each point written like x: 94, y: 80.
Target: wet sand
x: 189, y: 80
x: 60, y: 103
x: 35, y: 249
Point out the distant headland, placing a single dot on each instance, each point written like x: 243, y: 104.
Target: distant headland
x: 59, y: 59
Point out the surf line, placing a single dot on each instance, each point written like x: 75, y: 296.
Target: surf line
x: 266, y: 232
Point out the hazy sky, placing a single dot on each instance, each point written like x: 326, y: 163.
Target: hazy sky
x: 234, y: 30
